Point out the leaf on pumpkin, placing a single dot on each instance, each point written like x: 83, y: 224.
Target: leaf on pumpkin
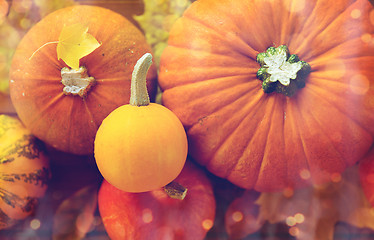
x: 75, y: 215
x: 75, y: 43
x: 312, y: 212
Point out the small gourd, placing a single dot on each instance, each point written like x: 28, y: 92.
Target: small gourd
x: 140, y: 146
x: 24, y: 172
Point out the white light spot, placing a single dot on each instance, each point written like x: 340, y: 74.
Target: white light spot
x: 359, y: 84
x: 237, y: 216
x: 356, y: 13
x: 147, y: 215
x: 207, y: 224
x: 35, y: 224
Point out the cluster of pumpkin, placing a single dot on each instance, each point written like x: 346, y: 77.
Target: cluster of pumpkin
x: 266, y: 91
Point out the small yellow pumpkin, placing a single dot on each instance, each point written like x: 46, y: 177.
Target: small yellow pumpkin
x: 24, y: 171
x: 140, y: 146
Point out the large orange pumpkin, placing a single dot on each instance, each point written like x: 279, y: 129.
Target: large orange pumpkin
x: 273, y: 93
x: 24, y: 171
x: 69, y: 122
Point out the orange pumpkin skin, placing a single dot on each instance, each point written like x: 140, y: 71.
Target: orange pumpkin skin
x: 140, y: 148
x: 67, y: 122
x: 271, y: 141
x: 24, y: 171
x: 154, y: 215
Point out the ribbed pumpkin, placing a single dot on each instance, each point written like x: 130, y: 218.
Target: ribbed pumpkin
x: 65, y: 121
x: 24, y: 171
x: 273, y: 93
x: 155, y: 215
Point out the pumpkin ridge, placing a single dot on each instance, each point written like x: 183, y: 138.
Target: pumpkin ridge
x: 98, y: 95
x: 310, y: 124
x: 243, y: 121
x: 227, y: 103
x: 211, y: 53
x: 337, y: 106
x: 344, y: 113
x: 269, y: 135
x: 223, y: 34
x: 297, y: 129
x: 324, y: 56
x: 320, y: 124
x: 242, y: 159
x: 39, y: 115
x: 197, y: 79
x: 300, y: 133
x: 328, y: 27
x: 89, y: 113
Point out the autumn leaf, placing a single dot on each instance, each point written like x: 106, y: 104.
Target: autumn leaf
x: 312, y: 212
x: 75, y: 43
x: 75, y: 216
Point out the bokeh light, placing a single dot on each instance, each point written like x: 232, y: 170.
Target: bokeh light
x: 21, y: 6
x: 336, y: 177
x: 35, y: 224
x: 305, y: 174
x: 366, y: 38
x: 207, y: 224
x: 237, y: 216
x: 288, y: 192
x: 356, y: 13
x: 147, y: 215
x: 294, y: 231
x: 299, y: 218
x: 359, y: 84
x: 291, y: 221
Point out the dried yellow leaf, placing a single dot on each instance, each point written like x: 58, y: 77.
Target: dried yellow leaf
x: 75, y: 43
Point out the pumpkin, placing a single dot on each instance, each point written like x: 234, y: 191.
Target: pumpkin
x: 273, y: 94
x: 39, y: 89
x: 366, y: 172
x: 24, y: 171
x: 140, y: 146
x: 155, y: 215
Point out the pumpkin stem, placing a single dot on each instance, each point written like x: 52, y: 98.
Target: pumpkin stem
x: 76, y: 81
x: 139, y: 94
x: 175, y: 190
x: 281, y: 72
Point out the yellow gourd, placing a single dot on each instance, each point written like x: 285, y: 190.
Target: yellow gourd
x: 140, y: 146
